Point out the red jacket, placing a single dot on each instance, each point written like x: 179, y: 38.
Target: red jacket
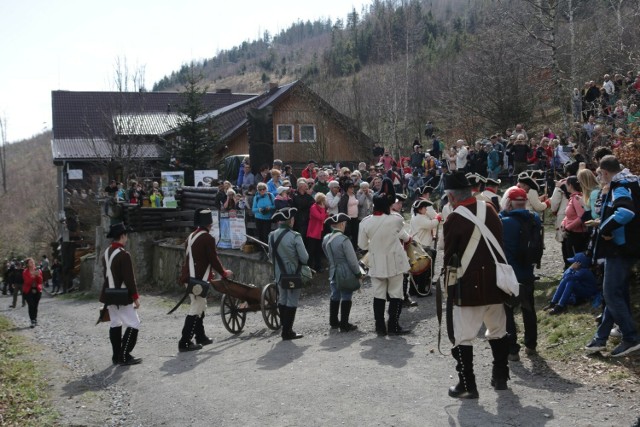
x: 317, y: 215
x: 306, y: 173
x: 30, y: 281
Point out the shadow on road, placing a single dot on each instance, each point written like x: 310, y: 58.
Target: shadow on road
x: 337, y: 341
x: 281, y: 354
x: 184, y: 362
x: 94, y: 382
x: 509, y: 412
x: 540, y: 375
x: 394, y: 352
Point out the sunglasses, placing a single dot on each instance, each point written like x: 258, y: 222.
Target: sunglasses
x: 262, y: 189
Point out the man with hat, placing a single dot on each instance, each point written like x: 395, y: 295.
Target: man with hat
x: 287, y: 245
x: 342, y: 262
x: 423, y: 229
x: 491, y: 187
x: 535, y: 203
x: 476, y: 186
x: 200, y: 262
x: 396, y: 209
x: 474, y: 299
x: 516, y: 224
x: 118, y: 272
x: 380, y: 234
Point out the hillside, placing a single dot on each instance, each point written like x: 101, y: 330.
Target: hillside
x: 29, y: 208
x: 473, y: 67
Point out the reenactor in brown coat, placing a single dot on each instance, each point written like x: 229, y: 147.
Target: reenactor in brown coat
x: 201, y: 256
x: 475, y: 295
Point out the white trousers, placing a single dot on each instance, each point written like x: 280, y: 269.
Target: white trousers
x: 125, y: 315
x: 391, y: 285
x: 198, y: 305
x: 467, y: 322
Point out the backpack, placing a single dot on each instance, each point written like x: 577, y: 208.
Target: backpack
x: 531, y: 243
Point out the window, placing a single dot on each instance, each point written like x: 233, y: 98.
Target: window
x: 285, y: 133
x: 307, y: 133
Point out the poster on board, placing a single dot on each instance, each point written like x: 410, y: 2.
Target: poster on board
x: 171, y: 182
x: 237, y: 229
x: 225, y: 231
x: 205, y: 178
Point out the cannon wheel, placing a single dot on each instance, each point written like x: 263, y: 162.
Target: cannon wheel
x: 269, y: 306
x: 232, y: 318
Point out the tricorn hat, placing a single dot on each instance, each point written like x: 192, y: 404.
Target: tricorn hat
x: 491, y: 182
x: 473, y: 178
x: 401, y: 197
x: 117, y: 230
x: 425, y: 189
x: 202, y: 217
x: 337, y: 218
x: 380, y: 202
x: 455, y: 181
x: 526, y: 179
x: 421, y: 203
x: 284, y: 214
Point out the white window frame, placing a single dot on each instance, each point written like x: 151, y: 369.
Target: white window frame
x: 315, y: 133
x: 292, y: 127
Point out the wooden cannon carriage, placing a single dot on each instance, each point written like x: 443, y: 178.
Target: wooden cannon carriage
x: 239, y: 298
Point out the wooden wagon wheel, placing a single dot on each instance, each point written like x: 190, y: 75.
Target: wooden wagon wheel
x: 269, y: 306
x: 232, y: 317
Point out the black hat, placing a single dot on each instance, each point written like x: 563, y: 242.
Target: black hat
x: 117, y: 230
x: 202, y: 217
x: 312, y: 161
x: 455, y: 181
x: 284, y: 214
x: 337, y: 218
x: 348, y: 183
x: 380, y: 202
x: 424, y: 189
x: 421, y: 203
x: 492, y: 182
x: 538, y: 174
x: 401, y: 197
x: 526, y: 179
x: 473, y: 178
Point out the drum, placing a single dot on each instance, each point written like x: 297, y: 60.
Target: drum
x: 419, y: 260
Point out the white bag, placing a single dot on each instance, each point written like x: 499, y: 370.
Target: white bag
x: 505, y: 276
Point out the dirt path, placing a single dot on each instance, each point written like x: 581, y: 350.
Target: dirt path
x: 326, y: 378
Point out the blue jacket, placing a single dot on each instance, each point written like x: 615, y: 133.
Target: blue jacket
x: 266, y: 202
x: 618, y: 219
x: 511, y: 241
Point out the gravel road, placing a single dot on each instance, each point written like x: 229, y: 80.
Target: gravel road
x: 326, y: 378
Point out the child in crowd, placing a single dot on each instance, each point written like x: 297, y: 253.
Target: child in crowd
x: 578, y: 283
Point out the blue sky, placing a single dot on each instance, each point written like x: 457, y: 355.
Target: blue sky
x: 73, y: 45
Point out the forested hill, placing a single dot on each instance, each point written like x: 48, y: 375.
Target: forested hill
x: 471, y: 66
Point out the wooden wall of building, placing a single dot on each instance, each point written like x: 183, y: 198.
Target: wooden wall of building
x: 333, y: 143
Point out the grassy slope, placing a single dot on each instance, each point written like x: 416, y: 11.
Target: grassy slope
x: 23, y: 396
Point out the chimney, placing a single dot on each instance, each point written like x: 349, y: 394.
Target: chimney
x: 223, y: 90
x: 273, y: 87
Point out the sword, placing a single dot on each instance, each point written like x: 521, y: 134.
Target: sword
x: 260, y: 242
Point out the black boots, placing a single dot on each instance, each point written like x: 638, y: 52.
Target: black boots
x: 345, y: 310
x: 188, y: 330
x: 128, y: 343
x: 466, y: 387
x: 287, y: 317
x: 500, y: 371
x: 115, y: 336
x: 393, y: 326
x: 378, y: 314
x: 201, y: 337
x: 334, y: 307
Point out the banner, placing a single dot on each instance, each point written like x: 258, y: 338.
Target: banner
x: 171, y: 182
x: 205, y: 178
x: 237, y: 228
x: 232, y: 229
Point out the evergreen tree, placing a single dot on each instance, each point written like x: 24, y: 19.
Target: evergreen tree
x: 196, y: 140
